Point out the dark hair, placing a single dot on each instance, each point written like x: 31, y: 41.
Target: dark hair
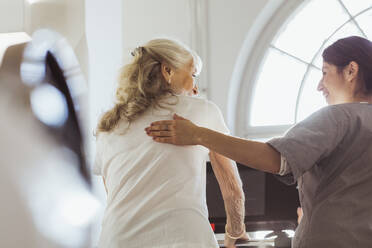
x: 353, y: 48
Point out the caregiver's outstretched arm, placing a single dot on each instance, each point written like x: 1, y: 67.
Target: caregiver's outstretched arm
x: 180, y: 131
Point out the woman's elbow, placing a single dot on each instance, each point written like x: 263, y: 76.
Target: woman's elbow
x: 272, y: 160
x: 275, y: 168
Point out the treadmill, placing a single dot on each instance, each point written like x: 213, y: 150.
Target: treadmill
x: 270, y: 208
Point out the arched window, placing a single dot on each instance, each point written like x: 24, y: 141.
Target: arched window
x: 282, y: 87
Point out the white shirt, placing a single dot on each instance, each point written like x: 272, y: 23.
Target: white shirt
x: 156, y: 192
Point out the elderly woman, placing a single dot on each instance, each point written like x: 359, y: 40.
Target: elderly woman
x: 156, y: 192
x: 329, y: 154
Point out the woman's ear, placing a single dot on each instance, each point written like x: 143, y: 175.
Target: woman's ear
x: 167, y: 72
x: 351, y: 71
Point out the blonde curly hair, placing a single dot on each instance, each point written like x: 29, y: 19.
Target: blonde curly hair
x: 141, y: 83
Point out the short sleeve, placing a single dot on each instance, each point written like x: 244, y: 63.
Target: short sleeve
x: 312, y: 140
x: 215, y: 119
x: 97, y: 165
x: 284, y: 168
x: 285, y: 175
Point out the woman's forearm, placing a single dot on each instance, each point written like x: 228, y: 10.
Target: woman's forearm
x: 227, y: 176
x: 257, y: 155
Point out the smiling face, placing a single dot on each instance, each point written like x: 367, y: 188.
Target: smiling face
x: 334, y: 85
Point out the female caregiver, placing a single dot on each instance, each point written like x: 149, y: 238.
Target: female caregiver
x: 329, y: 154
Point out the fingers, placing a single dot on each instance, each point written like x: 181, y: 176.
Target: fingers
x: 165, y: 122
x: 160, y: 136
x: 245, y: 237
x: 175, y: 131
x: 178, y: 117
x: 229, y: 243
x: 159, y: 128
x: 159, y: 133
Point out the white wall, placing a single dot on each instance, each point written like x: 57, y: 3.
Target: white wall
x: 11, y: 16
x: 144, y: 20
x: 104, y: 37
x: 228, y: 27
x: 64, y: 16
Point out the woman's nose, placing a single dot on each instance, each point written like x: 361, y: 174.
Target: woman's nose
x: 320, y: 86
x: 195, y: 90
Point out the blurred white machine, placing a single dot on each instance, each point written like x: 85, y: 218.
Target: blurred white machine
x: 46, y: 198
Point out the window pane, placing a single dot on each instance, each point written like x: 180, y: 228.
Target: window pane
x: 356, y: 6
x: 365, y: 23
x: 274, y: 97
x: 307, y: 30
x: 310, y: 100
x: 348, y: 30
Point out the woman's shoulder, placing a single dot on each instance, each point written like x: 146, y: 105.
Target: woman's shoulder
x: 347, y: 110
x: 202, y: 111
x: 340, y: 115
x: 192, y: 99
x: 336, y: 111
x: 103, y: 136
x: 327, y: 117
x: 100, y: 137
x: 199, y: 102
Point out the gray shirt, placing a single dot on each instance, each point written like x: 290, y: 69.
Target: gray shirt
x: 330, y: 157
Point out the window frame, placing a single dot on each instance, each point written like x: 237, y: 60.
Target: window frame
x: 252, y: 56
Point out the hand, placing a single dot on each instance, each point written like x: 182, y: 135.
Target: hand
x: 178, y: 131
x: 230, y: 243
